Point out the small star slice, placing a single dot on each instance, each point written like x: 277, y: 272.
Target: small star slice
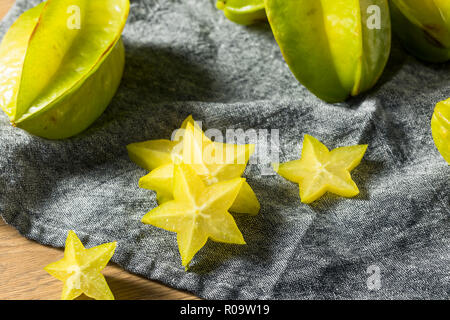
x: 320, y: 170
x: 198, y: 212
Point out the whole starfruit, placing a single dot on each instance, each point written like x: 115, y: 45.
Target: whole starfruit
x: 423, y: 27
x: 335, y: 48
x: 243, y: 12
x: 61, y: 63
x: 440, y: 127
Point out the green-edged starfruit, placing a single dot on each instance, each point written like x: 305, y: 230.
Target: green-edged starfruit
x: 335, y: 48
x: 423, y: 27
x: 61, y: 63
x: 440, y: 127
x: 243, y: 12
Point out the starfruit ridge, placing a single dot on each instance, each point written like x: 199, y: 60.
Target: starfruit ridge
x: 243, y: 12
x: 332, y: 38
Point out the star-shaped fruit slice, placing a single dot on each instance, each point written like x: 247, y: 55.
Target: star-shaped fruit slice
x: 244, y: 12
x: 440, y: 128
x: 80, y: 269
x: 212, y: 161
x: 198, y: 212
x: 320, y: 170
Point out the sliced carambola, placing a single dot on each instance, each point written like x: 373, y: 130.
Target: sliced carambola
x: 320, y: 170
x: 56, y: 77
x: 335, y: 48
x: 244, y: 12
x: 440, y: 127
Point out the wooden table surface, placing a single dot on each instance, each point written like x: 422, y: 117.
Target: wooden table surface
x: 22, y: 260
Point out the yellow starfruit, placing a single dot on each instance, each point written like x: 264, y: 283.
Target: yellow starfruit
x: 335, y: 48
x: 440, y: 127
x: 243, y: 12
x: 198, y: 212
x: 61, y: 63
x: 80, y: 269
x: 320, y: 170
x: 212, y: 161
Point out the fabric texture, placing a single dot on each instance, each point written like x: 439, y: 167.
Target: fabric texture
x: 184, y: 57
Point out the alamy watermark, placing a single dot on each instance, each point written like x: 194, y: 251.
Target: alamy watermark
x: 374, y: 280
x: 229, y: 147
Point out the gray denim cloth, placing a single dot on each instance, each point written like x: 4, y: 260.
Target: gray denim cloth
x: 184, y: 57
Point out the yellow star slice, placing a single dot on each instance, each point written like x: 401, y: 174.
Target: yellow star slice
x: 198, y: 212
x: 80, y: 269
x: 161, y: 181
x: 212, y: 161
x: 320, y: 170
x: 440, y: 128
